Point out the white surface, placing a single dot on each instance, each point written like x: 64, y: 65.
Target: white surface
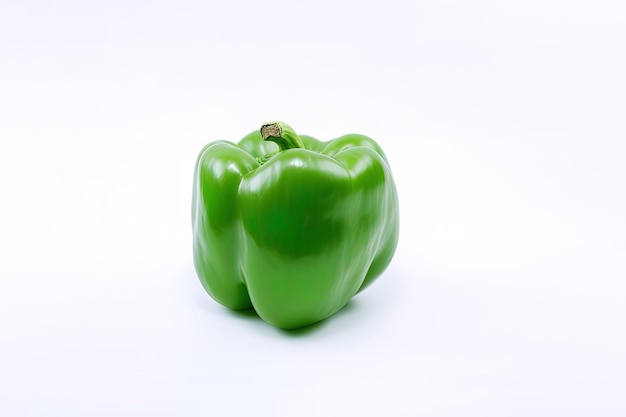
x: 505, y: 126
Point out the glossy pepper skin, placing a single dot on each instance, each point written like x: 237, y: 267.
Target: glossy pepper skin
x: 291, y: 226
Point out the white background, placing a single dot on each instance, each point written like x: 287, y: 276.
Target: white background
x: 505, y: 127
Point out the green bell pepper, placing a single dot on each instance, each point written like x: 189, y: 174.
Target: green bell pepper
x: 291, y: 226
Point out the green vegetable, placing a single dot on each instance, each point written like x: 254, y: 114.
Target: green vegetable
x: 291, y: 226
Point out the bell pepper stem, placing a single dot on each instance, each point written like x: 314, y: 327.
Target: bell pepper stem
x: 282, y: 134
